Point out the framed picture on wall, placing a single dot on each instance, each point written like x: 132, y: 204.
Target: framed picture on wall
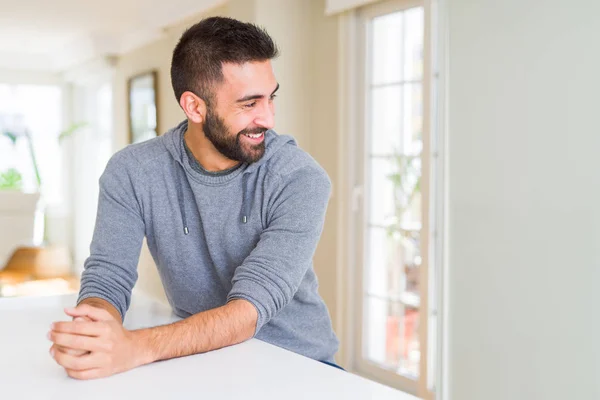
x: 143, y: 116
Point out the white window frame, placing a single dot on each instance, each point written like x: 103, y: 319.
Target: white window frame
x: 353, y: 121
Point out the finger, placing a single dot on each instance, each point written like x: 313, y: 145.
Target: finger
x: 82, y: 319
x: 73, y: 352
x: 85, y: 310
x: 80, y: 328
x: 93, y: 373
x: 76, y: 342
x: 89, y: 361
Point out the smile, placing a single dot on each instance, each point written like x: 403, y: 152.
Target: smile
x: 255, y: 137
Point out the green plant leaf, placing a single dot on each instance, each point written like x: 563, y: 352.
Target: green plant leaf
x: 11, y: 179
x: 11, y: 136
x: 71, y: 130
x: 406, y: 180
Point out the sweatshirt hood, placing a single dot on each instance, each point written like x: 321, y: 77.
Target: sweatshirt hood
x: 173, y: 141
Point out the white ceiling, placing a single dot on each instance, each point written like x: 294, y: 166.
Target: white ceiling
x: 53, y: 35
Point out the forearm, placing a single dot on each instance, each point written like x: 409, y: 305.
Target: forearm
x: 103, y: 304
x: 224, y: 326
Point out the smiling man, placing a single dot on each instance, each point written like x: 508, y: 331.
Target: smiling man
x: 232, y: 213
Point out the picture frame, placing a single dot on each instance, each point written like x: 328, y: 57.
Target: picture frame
x: 142, y: 93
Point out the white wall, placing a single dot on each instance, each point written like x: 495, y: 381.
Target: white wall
x: 524, y: 165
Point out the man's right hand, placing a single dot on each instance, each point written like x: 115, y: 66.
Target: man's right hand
x: 94, y: 302
x: 74, y: 352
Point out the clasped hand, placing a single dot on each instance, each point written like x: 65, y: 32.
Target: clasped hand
x: 93, y: 345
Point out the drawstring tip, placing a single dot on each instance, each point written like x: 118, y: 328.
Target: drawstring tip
x: 244, y: 219
x: 186, y: 230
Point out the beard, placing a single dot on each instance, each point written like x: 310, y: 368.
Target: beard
x: 231, y: 146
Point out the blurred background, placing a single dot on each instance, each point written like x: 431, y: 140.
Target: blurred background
x: 461, y: 252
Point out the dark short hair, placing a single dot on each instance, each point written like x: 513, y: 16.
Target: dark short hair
x: 203, y: 48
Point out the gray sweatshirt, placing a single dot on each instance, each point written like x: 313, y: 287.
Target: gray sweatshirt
x: 250, y: 234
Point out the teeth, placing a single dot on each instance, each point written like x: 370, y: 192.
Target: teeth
x: 254, y: 135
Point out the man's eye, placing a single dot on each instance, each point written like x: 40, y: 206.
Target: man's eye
x: 250, y: 105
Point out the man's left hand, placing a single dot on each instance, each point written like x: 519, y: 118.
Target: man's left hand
x: 112, y: 348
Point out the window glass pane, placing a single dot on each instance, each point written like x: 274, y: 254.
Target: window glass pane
x: 386, y: 47
x: 376, y: 316
x: 41, y: 110
x: 381, y: 192
x: 34, y: 111
x: 396, y: 119
x: 395, y: 191
x: 386, y: 120
x: 412, y: 124
x: 379, y: 262
x: 413, y: 44
x: 391, y: 336
x: 393, y: 262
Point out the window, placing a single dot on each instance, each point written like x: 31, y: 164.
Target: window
x: 392, y: 229
x: 393, y: 221
x: 36, y: 110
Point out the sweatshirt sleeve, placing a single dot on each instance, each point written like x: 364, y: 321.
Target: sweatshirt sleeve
x: 110, y: 271
x: 270, y: 276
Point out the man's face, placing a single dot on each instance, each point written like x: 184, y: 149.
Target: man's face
x: 242, y: 111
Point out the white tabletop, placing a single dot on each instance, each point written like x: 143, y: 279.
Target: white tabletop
x: 253, y: 370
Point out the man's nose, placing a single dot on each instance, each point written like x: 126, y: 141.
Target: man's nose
x: 266, y: 118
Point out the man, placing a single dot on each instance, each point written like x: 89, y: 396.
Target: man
x: 232, y: 213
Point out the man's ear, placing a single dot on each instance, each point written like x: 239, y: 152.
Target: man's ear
x: 193, y: 107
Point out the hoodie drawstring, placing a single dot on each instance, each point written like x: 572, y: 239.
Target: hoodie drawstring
x: 245, y: 199
x: 174, y: 143
x: 179, y: 184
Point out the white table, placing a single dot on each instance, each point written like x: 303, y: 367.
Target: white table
x: 253, y: 370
